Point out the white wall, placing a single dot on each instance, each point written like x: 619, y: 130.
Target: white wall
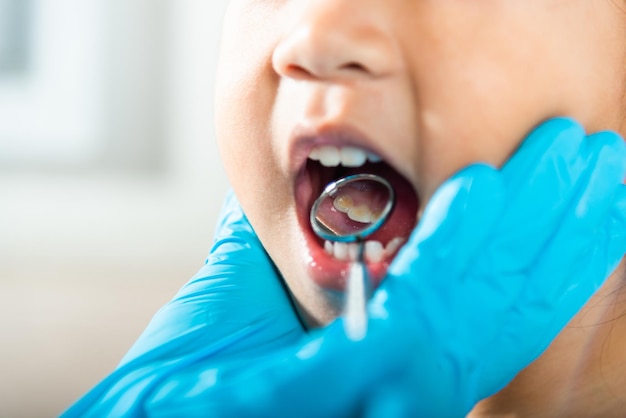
x: 90, y: 250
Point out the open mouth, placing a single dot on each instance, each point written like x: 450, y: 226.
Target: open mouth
x: 328, y: 262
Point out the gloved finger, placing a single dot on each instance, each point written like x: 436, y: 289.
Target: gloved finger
x: 539, y: 180
x: 605, y: 252
x: 237, y: 289
x: 580, y: 279
x: 590, y: 207
x: 451, y: 230
x: 573, y: 265
x: 578, y: 232
x: 555, y: 161
x: 615, y: 229
x: 426, y: 280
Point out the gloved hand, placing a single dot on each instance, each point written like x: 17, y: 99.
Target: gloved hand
x: 500, y: 262
x: 235, y: 304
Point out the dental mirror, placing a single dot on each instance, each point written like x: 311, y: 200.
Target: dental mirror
x: 349, y: 210
x: 352, y: 208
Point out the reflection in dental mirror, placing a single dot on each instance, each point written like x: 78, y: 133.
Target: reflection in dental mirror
x: 348, y: 210
x: 353, y: 207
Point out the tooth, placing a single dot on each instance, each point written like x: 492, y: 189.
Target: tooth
x: 352, y: 157
x: 341, y: 251
x: 361, y: 213
x: 353, y: 251
x: 332, y: 156
x: 343, y: 203
x: 374, y: 158
x: 328, y: 247
x: 374, y: 251
x: 329, y: 156
x: 393, y: 245
x: 315, y: 154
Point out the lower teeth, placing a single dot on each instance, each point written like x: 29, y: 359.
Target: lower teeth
x: 374, y: 251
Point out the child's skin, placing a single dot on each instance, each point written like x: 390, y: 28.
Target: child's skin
x: 430, y: 86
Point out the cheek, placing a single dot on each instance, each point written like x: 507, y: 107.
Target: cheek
x: 247, y: 152
x: 484, y: 84
x: 480, y: 119
x: 245, y: 91
x: 478, y: 106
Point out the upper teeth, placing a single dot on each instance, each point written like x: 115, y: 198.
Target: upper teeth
x: 332, y: 156
x: 359, y: 213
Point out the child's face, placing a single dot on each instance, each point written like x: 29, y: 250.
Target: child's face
x: 428, y: 85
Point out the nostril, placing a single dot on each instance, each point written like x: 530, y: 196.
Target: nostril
x: 300, y: 72
x: 297, y: 72
x: 354, y: 66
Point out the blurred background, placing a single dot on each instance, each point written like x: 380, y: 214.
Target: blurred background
x: 110, y: 182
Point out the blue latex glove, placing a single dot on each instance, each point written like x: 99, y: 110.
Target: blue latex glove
x: 235, y: 304
x: 501, y: 260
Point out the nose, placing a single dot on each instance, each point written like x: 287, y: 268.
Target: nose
x: 334, y: 40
